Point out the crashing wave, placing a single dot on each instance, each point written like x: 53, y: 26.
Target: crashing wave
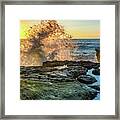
x: 45, y: 41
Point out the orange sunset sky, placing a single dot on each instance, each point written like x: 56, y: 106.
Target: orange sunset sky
x: 78, y: 29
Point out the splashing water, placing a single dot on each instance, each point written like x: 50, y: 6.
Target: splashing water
x: 45, y: 41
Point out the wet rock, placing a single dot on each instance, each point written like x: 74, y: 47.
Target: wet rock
x: 73, y: 63
x: 54, y: 63
x: 89, y: 64
x: 96, y: 72
x: 98, y: 53
x: 50, y: 72
x: 58, y: 80
x: 96, y: 87
x: 38, y: 90
x: 86, y: 64
x: 75, y: 71
x: 35, y: 69
x: 86, y: 79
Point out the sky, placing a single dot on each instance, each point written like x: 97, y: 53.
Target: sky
x: 78, y: 29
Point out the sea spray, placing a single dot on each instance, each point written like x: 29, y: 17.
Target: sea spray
x: 45, y: 41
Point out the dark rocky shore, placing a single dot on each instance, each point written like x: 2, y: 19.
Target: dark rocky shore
x: 59, y: 80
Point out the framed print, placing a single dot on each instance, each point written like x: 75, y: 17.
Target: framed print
x: 59, y: 59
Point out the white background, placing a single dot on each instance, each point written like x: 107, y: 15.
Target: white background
x: 15, y: 106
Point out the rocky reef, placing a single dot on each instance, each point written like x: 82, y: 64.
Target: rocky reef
x: 59, y: 80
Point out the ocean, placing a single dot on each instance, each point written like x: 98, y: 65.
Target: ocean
x: 85, y: 49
